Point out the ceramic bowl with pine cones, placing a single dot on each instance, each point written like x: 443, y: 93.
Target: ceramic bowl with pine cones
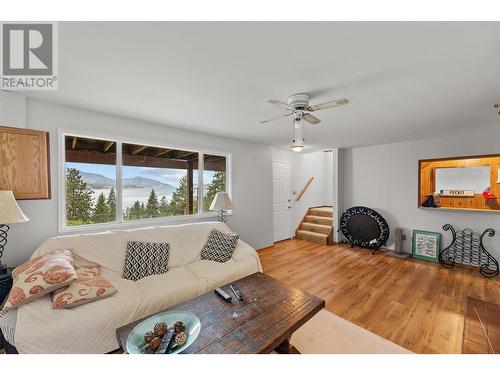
x: 146, y: 329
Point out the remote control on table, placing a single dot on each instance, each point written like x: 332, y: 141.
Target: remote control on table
x: 236, y: 291
x: 165, y: 342
x: 223, y: 294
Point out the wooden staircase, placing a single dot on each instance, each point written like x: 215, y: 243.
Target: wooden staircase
x: 317, y: 226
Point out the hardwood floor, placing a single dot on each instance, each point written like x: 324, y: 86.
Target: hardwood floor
x: 416, y: 304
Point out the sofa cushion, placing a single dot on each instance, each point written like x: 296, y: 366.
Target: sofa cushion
x: 90, y: 328
x: 89, y: 287
x: 145, y: 259
x: 216, y: 274
x: 106, y: 249
x: 219, y: 246
x: 40, y: 276
x: 161, y: 291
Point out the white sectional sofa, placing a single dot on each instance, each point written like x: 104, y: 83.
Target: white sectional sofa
x: 90, y: 328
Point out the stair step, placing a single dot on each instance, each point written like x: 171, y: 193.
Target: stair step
x: 317, y: 228
x: 312, y: 236
x: 321, y: 211
x: 319, y: 220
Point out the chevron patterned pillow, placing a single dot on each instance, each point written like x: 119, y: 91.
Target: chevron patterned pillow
x: 219, y: 246
x: 144, y: 259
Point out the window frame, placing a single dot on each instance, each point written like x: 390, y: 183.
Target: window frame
x: 119, y: 221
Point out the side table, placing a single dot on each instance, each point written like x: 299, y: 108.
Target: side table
x: 5, y: 285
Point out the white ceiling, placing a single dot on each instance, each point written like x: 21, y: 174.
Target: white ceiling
x: 405, y: 80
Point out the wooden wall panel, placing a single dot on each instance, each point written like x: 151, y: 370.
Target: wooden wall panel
x: 24, y: 163
x: 478, y: 202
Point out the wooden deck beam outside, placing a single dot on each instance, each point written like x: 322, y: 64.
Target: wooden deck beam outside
x: 107, y: 146
x: 99, y: 157
x: 139, y: 149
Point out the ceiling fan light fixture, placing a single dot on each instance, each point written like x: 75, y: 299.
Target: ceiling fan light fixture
x: 298, y: 136
x: 297, y: 123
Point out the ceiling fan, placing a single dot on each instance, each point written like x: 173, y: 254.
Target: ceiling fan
x: 298, y: 107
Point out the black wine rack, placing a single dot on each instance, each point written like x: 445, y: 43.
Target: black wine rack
x: 467, y: 248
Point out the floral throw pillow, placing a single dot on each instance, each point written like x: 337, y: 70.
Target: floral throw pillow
x: 89, y: 287
x: 40, y: 276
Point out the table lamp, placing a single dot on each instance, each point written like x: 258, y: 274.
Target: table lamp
x: 221, y: 203
x: 10, y: 213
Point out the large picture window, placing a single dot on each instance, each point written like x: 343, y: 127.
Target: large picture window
x: 90, y: 181
x: 109, y: 181
x: 158, y: 182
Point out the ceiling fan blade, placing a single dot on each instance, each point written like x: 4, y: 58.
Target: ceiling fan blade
x: 313, y: 120
x: 280, y: 104
x: 275, y: 118
x: 333, y: 103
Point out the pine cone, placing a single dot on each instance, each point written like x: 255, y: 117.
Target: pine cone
x: 179, y: 327
x: 180, y: 339
x: 149, y: 336
x: 154, y: 344
x: 161, y: 329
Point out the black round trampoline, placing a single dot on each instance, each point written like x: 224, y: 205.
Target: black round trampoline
x: 364, y: 227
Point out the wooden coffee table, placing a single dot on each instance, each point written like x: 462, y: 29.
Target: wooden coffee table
x: 264, y: 321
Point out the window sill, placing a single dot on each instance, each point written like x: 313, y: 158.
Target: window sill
x: 459, y: 209
x: 130, y: 224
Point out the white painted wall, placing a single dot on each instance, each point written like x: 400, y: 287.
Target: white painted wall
x: 304, y: 165
x: 385, y: 178
x: 251, y: 168
x: 12, y: 109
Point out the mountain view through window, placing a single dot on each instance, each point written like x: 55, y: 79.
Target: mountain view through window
x: 156, y: 182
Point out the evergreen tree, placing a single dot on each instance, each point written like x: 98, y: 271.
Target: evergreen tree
x: 152, y: 206
x: 178, y: 203
x: 111, y: 204
x: 78, y: 198
x: 163, y: 206
x: 101, y: 213
x: 218, y: 184
x: 135, y: 211
x: 143, y: 213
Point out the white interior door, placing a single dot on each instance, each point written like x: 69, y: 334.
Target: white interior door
x: 282, y: 207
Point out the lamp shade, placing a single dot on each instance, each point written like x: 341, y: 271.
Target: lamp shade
x: 10, y: 213
x: 221, y: 202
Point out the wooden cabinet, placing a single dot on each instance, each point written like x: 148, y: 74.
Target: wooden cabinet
x: 24, y: 163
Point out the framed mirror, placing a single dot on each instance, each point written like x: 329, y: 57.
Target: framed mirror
x: 467, y: 183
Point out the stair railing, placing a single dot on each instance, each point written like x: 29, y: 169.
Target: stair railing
x: 306, y: 186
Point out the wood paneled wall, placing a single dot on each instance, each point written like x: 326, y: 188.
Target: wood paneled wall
x: 478, y: 202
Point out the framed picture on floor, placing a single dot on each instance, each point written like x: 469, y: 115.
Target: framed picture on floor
x: 426, y: 245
